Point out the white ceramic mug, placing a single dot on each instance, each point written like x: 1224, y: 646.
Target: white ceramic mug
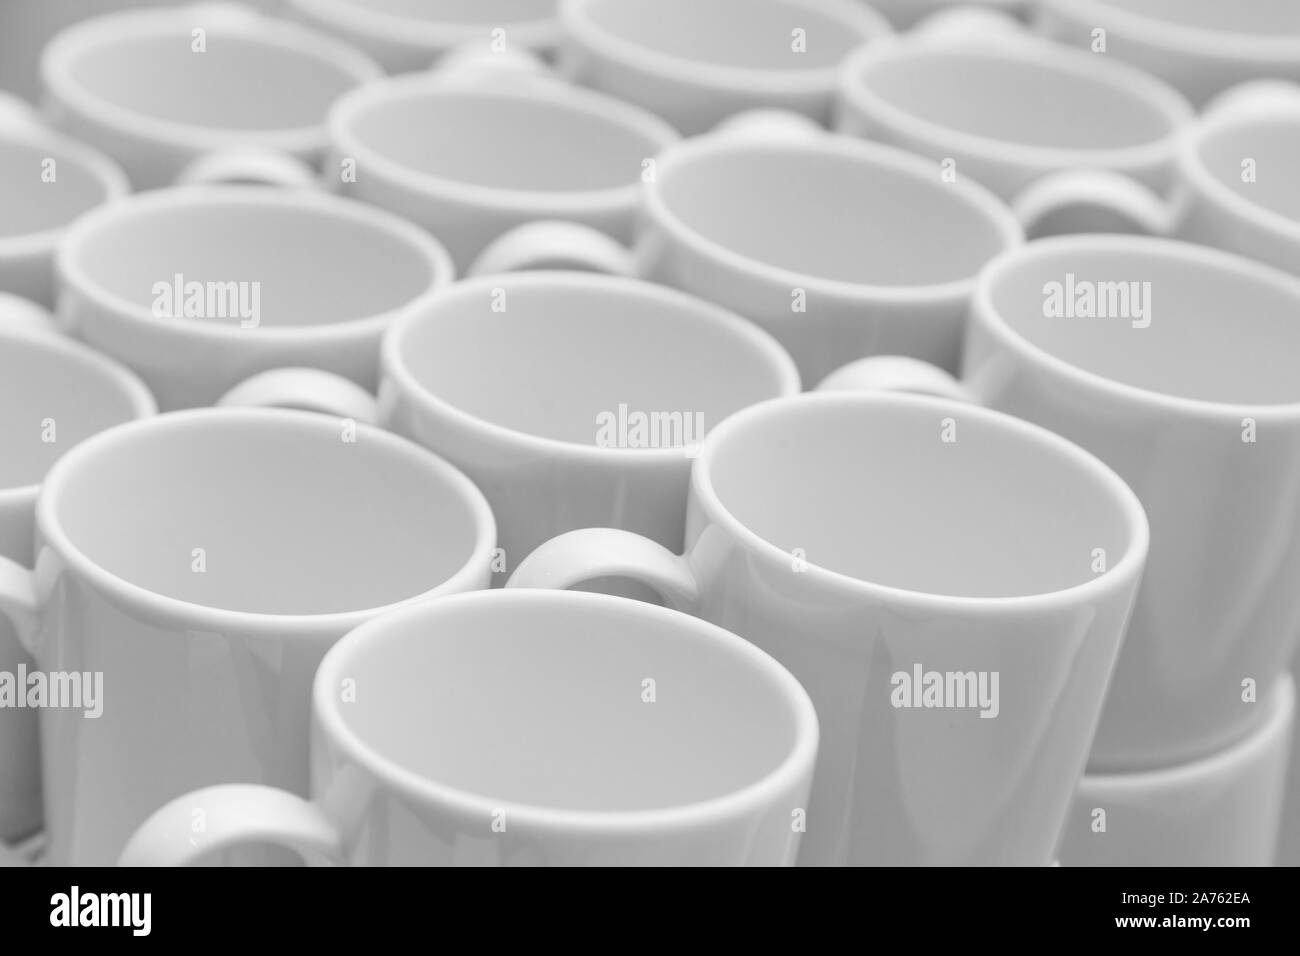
x: 570, y: 399
x: 1220, y: 810
x: 1200, y: 46
x: 469, y: 159
x: 530, y: 728
x: 1231, y: 189
x: 696, y: 62
x: 1176, y: 365
x: 53, y: 393
x: 46, y: 181
x: 927, y: 570
x: 1006, y: 108
x: 838, y: 247
x: 404, y: 36
x: 197, y: 288
x: 159, y: 89
x: 202, y: 562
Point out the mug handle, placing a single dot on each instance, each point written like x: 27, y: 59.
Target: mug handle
x: 575, y: 557
x: 1119, y: 204
x: 1254, y: 98
x: 896, y: 373
x: 250, y: 165
x: 474, y: 62
x: 963, y: 24
x: 311, y: 389
x: 233, y: 814
x: 558, y: 244
x: 19, y: 602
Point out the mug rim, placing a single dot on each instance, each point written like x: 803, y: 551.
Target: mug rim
x: 987, y: 315
x: 70, y: 272
x: 435, y: 36
x: 394, y: 368
x: 151, y: 23
x: 1123, y: 500
x: 1221, y: 763
x: 176, y: 612
x: 137, y: 394
x: 862, y: 153
x: 1121, y: 77
x: 578, y: 27
x: 1214, y: 191
x: 1180, y: 37
x: 797, y: 763
x: 406, y: 87
x: 107, y: 173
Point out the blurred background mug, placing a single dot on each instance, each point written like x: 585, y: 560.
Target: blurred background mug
x: 697, y: 62
x: 409, y: 35
x: 198, y: 288
x: 158, y: 89
x: 1200, y: 46
x: 837, y: 247
x: 470, y: 156
x: 46, y: 182
x: 1006, y: 109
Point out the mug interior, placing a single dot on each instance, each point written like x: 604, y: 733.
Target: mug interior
x: 1274, y: 145
x: 241, y: 82
x: 744, y: 34
x: 1264, y: 17
x: 291, y: 517
x: 32, y: 205
x: 1056, y: 106
x: 51, y: 398
x: 1219, y: 329
x: 831, y: 214
x: 867, y: 487
x: 567, y: 351
x: 503, y: 141
x: 539, y: 701
x: 309, y: 263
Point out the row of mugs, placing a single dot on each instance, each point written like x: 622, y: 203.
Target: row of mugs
x: 809, y: 517
x: 478, y: 161
x: 828, y: 285
x: 694, y: 61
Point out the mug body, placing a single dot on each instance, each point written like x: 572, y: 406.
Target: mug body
x: 53, y: 394
x: 472, y: 159
x: 189, y: 587
x: 197, y: 288
x: 939, y: 599
x: 697, y: 62
x: 1224, y: 809
x: 574, y: 400
x: 156, y: 89
x: 1173, y: 364
x: 837, y: 247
